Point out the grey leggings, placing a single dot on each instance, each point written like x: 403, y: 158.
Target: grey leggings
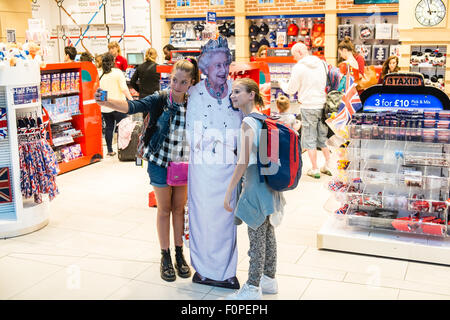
x: 262, y: 253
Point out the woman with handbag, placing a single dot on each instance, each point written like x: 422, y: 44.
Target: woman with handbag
x: 165, y: 150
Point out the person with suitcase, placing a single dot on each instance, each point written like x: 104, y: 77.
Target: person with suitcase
x: 113, y: 81
x: 166, y: 145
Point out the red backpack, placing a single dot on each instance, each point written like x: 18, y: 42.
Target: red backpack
x: 279, y: 154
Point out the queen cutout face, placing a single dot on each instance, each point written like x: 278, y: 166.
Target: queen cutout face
x: 218, y: 69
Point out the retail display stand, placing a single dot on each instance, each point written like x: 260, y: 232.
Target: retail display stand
x: 395, y: 190
x: 19, y: 94
x: 75, y: 133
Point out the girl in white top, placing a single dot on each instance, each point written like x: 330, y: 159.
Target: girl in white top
x: 113, y: 81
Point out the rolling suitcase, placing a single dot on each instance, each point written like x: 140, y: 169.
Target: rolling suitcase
x: 129, y: 153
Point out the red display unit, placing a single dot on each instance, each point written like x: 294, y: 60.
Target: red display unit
x: 75, y: 121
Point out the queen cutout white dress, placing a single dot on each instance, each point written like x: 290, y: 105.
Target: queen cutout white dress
x: 212, y: 131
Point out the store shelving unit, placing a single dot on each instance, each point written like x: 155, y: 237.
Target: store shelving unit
x: 76, y: 125
x: 19, y: 216
x: 395, y: 191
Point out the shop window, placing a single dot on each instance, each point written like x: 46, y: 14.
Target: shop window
x: 216, y: 2
x: 183, y: 3
x: 265, y: 1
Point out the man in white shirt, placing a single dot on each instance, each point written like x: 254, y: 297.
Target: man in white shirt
x: 308, y: 79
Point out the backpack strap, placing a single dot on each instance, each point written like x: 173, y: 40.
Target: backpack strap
x: 262, y: 118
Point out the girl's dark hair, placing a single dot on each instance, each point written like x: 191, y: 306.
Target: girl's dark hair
x: 108, y: 62
x: 189, y: 65
x: 250, y: 85
x: 385, y: 68
x: 169, y: 47
x: 347, y: 44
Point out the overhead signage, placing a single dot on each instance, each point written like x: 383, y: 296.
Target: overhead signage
x: 398, y: 101
x: 25, y: 95
x: 211, y: 17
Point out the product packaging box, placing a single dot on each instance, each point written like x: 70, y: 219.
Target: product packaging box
x: 56, y: 83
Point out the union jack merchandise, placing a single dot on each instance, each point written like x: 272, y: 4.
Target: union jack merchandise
x: 3, y: 124
x: 350, y: 104
x: 5, y: 186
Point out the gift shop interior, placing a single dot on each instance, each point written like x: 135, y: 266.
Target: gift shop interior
x: 72, y: 209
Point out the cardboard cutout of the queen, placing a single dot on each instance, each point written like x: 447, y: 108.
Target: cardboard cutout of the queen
x: 212, y: 130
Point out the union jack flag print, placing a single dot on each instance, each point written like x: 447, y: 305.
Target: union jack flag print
x: 3, y: 124
x: 350, y: 104
x: 5, y: 186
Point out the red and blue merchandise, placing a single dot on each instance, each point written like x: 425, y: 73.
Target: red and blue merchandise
x: 5, y: 186
x: 3, y: 124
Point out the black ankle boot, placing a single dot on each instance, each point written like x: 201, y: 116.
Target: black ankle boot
x: 182, y: 267
x: 167, y: 271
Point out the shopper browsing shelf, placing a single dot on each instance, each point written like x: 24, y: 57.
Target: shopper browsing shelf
x: 113, y: 81
x: 166, y: 144
x: 309, y: 81
x: 283, y: 105
x: 145, y: 79
x: 69, y: 54
x: 389, y: 66
x: 120, y: 61
x: 212, y: 126
x: 166, y: 50
x: 270, y: 204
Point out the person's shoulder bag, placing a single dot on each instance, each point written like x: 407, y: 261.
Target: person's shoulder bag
x: 334, y: 97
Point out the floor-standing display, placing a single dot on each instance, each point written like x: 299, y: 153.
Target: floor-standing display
x: 28, y: 166
x: 394, y: 191
x: 76, y: 125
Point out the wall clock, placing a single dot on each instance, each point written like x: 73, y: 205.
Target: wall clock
x: 430, y: 13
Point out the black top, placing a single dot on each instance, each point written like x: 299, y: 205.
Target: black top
x: 148, y: 79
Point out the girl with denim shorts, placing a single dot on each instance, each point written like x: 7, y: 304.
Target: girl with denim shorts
x: 167, y: 143
x: 258, y: 206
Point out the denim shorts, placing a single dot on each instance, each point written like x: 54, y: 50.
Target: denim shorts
x: 314, y: 130
x: 158, y: 175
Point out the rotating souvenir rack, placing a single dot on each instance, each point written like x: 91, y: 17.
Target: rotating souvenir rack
x: 19, y: 97
x: 394, y: 187
x: 75, y: 133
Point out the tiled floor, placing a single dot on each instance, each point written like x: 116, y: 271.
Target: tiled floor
x: 101, y: 243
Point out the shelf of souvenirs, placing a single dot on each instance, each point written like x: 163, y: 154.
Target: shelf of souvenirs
x: 379, y: 173
x: 59, y: 94
x: 406, y: 153
x: 68, y: 153
x: 427, y: 131
x: 398, y: 221
x: 388, y: 207
x: 63, y: 117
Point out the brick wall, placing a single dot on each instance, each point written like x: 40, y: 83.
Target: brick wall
x: 198, y: 8
x: 349, y: 4
x: 285, y: 6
